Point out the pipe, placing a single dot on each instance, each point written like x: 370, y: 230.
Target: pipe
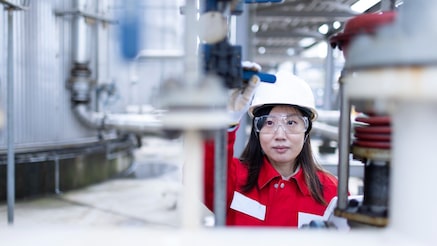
x: 88, y: 117
x: 191, y: 59
x: 81, y: 33
x: 193, y: 171
x: 57, y: 180
x: 80, y: 87
x: 135, y: 123
x: 343, y: 148
x: 326, y: 130
x: 220, y: 176
x: 329, y: 78
x: 328, y: 116
x: 10, y: 122
x: 414, y: 122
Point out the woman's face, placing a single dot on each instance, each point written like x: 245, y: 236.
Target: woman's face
x: 282, y: 148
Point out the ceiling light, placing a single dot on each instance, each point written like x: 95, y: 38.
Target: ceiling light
x: 336, y: 24
x: 362, y: 5
x: 323, y: 29
x: 255, y: 28
x: 261, y: 50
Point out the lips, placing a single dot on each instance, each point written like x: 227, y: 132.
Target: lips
x: 280, y: 149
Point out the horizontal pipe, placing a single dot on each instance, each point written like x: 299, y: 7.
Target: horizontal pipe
x: 138, y: 123
x: 135, y: 123
x: 326, y: 130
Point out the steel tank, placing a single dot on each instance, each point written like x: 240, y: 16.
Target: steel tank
x: 55, y: 148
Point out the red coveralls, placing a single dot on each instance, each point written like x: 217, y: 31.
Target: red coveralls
x: 274, y: 202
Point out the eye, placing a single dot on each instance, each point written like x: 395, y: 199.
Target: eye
x: 291, y: 122
x: 269, y: 122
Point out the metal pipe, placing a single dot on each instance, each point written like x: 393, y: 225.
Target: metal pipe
x: 57, y: 181
x: 329, y: 71
x: 191, y: 59
x: 81, y: 87
x: 220, y: 177
x: 81, y: 34
x: 343, y: 148
x: 88, y: 117
x: 10, y: 122
x: 136, y: 123
x: 326, y: 130
x: 328, y: 116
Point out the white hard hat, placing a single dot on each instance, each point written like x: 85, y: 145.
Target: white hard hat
x: 288, y: 89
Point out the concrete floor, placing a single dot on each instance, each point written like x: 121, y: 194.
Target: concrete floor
x: 142, y: 208
x: 147, y: 197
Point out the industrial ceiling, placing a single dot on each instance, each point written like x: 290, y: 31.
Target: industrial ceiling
x: 282, y: 31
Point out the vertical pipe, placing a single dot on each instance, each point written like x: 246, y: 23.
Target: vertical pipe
x: 10, y: 122
x: 192, y: 175
x: 193, y: 168
x: 220, y: 177
x: 57, y: 190
x: 242, y: 36
x: 191, y: 59
x: 329, y: 71
x: 413, y: 169
x: 343, y: 144
x: 81, y: 34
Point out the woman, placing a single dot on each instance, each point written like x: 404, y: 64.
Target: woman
x: 276, y: 177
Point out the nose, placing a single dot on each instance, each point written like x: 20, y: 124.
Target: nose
x: 280, y: 133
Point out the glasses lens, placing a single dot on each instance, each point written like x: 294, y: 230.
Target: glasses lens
x: 290, y: 123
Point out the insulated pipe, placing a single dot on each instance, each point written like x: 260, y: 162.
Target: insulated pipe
x: 191, y: 59
x: 413, y: 173
x: 136, y: 123
x: 193, y: 171
x: 81, y: 33
x: 325, y: 130
x: 80, y: 81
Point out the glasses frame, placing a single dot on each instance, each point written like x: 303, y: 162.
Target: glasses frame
x: 304, y: 118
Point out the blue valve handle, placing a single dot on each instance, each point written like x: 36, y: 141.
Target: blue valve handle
x: 264, y: 77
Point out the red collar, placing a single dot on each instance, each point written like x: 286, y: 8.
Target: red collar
x: 269, y: 173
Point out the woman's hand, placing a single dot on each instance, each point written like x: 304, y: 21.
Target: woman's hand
x: 240, y: 98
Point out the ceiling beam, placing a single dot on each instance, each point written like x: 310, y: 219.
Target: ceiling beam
x: 306, y: 14
x: 267, y: 59
x: 294, y: 33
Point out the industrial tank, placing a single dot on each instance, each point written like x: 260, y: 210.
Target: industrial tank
x: 74, y: 104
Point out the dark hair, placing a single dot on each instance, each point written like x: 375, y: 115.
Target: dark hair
x: 253, y: 157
